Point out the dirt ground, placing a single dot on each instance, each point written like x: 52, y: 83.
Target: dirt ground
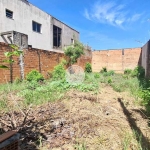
x: 105, y: 121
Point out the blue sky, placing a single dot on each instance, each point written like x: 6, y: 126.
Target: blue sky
x: 103, y: 24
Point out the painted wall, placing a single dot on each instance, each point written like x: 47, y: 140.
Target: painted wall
x: 145, y: 56
x: 24, y: 13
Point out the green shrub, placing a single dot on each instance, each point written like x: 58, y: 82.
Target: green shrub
x: 74, y: 51
x: 104, y: 69
x: 33, y: 85
x: 109, y: 73
x: 89, y: 77
x: 109, y: 80
x: 145, y: 95
x: 116, y: 88
x: 96, y: 75
x: 138, y: 72
x: 127, y: 71
x: 58, y: 72
x: 86, y: 87
x: 34, y: 75
x: 141, y: 72
x: 88, y: 68
x: 125, y: 76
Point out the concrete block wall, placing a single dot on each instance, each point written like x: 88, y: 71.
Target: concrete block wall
x: 41, y: 60
x: 117, y: 60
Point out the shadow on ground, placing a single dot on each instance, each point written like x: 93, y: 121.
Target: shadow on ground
x: 145, y: 143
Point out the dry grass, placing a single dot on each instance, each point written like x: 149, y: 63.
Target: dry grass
x: 97, y: 120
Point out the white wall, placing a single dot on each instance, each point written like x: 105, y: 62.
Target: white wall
x: 22, y: 22
x: 24, y: 14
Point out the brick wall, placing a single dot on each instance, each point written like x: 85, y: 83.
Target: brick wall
x: 117, y: 60
x: 40, y: 60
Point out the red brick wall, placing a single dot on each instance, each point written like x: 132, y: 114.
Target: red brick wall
x: 115, y: 60
x: 40, y: 60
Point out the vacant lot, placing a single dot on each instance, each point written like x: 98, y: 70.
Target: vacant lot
x: 103, y: 113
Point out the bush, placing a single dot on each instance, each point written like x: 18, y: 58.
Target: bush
x: 96, y: 75
x: 127, y: 71
x: 74, y: 51
x: 109, y: 80
x: 138, y: 72
x: 104, y: 69
x: 58, y: 72
x: 88, y: 68
x: 33, y: 85
x: 125, y: 76
x: 145, y: 95
x: 109, y: 73
x: 34, y: 75
x: 89, y: 77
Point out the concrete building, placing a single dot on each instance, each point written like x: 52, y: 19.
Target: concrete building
x: 43, y: 30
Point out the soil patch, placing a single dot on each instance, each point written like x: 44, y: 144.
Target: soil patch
x: 101, y: 122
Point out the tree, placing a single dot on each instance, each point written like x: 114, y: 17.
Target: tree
x: 74, y: 51
x: 9, y: 55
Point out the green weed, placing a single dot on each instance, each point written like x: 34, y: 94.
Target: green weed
x: 34, y: 75
x: 96, y: 75
x: 104, y: 69
x: 58, y: 72
x: 88, y: 68
x: 79, y: 146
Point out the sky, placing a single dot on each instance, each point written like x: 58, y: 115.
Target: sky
x: 103, y: 24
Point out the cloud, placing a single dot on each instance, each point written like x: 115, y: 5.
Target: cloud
x: 134, y: 18
x: 110, y: 13
x: 86, y: 14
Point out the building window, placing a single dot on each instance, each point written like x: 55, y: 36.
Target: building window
x: 56, y: 36
x: 9, y: 14
x: 36, y: 27
x: 72, y: 41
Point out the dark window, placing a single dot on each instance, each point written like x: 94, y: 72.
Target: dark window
x: 72, y: 41
x: 56, y: 36
x: 36, y: 27
x: 9, y: 13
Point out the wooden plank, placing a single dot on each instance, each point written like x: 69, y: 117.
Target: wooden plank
x: 7, y: 135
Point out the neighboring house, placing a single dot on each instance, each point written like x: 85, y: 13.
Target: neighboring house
x: 43, y: 30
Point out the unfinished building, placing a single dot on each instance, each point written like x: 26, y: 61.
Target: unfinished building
x: 43, y: 30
